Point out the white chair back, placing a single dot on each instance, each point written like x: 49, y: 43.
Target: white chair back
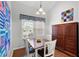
x: 50, y: 47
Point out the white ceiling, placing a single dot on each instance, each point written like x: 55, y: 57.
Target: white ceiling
x: 47, y: 5
x: 30, y: 7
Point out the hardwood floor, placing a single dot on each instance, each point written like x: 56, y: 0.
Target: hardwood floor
x: 22, y: 52
x: 19, y: 52
x: 57, y: 54
x: 60, y: 54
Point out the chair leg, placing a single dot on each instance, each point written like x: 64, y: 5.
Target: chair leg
x: 33, y: 55
x: 36, y: 52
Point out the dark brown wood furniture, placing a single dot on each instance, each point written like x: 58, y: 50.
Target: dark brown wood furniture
x: 67, y: 38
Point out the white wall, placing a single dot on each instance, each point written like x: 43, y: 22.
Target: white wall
x: 16, y: 27
x: 17, y: 9
x: 59, y: 7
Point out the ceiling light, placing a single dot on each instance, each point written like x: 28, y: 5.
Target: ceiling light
x: 40, y: 10
x: 37, y: 13
x: 43, y: 13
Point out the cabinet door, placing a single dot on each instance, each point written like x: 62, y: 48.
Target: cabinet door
x: 54, y: 32
x: 60, y: 36
x: 71, y: 37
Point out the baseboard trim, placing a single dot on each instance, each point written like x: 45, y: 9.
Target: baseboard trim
x: 19, y: 52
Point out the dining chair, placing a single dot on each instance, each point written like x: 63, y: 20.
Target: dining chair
x: 50, y: 48
x: 29, y: 49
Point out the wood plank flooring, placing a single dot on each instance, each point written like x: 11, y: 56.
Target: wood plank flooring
x: 60, y: 54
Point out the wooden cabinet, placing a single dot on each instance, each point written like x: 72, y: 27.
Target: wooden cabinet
x: 67, y: 37
x: 60, y: 33
x: 71, y: 37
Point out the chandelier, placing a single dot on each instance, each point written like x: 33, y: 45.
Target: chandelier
x: 40, y: 10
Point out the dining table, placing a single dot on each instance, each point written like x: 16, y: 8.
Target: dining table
x: 36, y: 45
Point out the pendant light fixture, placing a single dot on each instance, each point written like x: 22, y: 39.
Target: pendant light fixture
x: 40, y: 10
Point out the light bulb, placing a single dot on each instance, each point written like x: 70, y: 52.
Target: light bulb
x: 37, y: 13
x: 40, y: 10
x: 43, y: 13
